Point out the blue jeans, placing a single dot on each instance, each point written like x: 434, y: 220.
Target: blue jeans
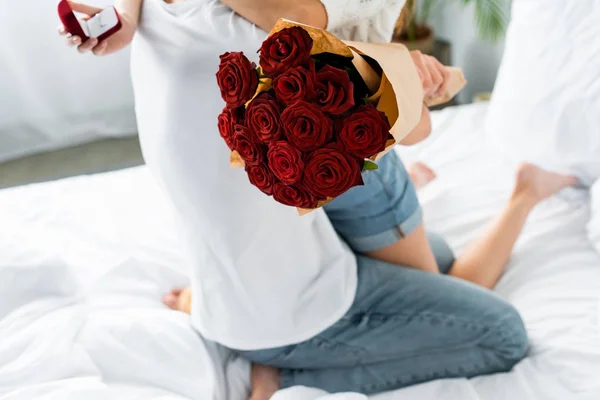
x: 405, y: 326
x: 379, y: 213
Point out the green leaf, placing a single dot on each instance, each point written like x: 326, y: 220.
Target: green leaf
x: 427, y: 7
x: 370, y: 166
x: 491, y: 17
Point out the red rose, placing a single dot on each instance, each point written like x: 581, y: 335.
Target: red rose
x: 251, y: 152
x: 295, y: 196
x: 228, y: 119
x: 329, y: 173
x: 261, y: 177
x: 334, y: 90
x: 285, y: 49
x: 262, y: 118
x: 306, y: 127
x: 286, y: 162
x: 237, y: 78
x: 295, y: 84
x: 364, y: 132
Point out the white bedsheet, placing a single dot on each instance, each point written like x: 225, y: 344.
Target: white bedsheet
x: 84, y: 262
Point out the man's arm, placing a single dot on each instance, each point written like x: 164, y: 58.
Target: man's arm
x: 131, y: 8
x: 265, y: 13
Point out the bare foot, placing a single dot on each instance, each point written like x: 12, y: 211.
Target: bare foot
x: 420, y: 174
x: 179, y: 299
x: 265, y: 382
x: 538, y: 184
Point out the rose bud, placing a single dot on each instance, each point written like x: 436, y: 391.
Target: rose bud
x: 285, y: 49
x: 261, y: 177
x: 263, y: 118
x: 295, y: 196
x: 228, y: 119
x: 295, y: 84
x: 364, y: 132
x: 329, y: 173
x: 334, y: 90
x: 249, y: 150
x: 286, y: 162
x: 237, y: 79
x: 306, y: 127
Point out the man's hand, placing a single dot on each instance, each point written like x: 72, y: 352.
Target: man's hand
x: 434, y: 75
x: 114, y: 43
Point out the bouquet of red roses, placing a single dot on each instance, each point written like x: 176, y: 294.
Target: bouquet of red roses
x: 316, y: 113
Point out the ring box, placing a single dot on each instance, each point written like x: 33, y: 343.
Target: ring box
x: 100, y: 25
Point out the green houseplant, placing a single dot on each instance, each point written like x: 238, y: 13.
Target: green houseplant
x: 412, y: 28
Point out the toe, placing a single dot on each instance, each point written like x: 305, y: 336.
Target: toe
x: 571, y: 180
x: 431, y: 174
x: 424, y: 169
x: 421, y: 174
x: 170, y: 301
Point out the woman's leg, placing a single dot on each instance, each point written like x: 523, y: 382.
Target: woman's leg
x: 405, y: 327
x: 484, y: 260
x: 265, y: 379
x: 482, y: 263
x: 493, y: 248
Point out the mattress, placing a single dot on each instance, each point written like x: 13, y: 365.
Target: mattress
x: 84, y: 262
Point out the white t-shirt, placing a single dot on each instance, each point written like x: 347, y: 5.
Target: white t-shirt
x: 262, y: 276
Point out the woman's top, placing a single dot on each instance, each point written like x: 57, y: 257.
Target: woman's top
x: 363, y: 20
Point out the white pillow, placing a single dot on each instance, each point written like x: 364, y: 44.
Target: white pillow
x: 546, y: 104
x: 50, y: 95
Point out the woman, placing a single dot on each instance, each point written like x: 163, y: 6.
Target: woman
x: 284, y: 291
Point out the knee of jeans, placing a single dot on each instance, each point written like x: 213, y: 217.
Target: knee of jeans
x: 514, y: 343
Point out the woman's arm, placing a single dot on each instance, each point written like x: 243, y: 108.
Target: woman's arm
x: 265, y: 13
x: 324, y: 14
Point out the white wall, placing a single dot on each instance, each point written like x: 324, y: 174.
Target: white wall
x: 479, y: 59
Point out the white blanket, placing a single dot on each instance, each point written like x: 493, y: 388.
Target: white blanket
x: 84, y: 262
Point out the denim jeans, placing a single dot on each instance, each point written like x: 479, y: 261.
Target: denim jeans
x: 405, y: 326
x: 379, y: 213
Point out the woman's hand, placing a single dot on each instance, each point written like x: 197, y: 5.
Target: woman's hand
x: 114, y: 43
x: 421, y: 131
x: 434, y: 75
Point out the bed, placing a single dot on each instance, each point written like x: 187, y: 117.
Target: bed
x: 84, y: 262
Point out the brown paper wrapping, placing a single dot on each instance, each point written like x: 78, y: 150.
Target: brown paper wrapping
x: 323, y: 41
x: 235, y: 161
x: 398, y: 90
